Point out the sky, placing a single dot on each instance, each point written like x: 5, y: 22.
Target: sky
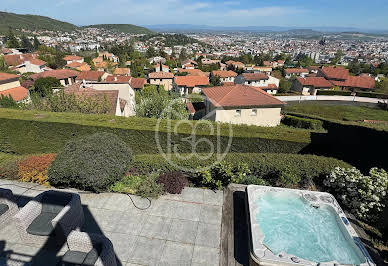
x: 370, y: 14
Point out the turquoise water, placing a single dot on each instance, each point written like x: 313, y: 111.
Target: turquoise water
x: 291, y: 225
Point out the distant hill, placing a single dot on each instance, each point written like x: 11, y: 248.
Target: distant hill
x: 124, y: 28
x: 32, y: 22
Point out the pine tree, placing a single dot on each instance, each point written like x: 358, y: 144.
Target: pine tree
x: 26, y: 44
x: 36, y: 43
x: 12, y: 42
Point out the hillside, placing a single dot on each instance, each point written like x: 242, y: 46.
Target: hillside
x: 124, y: 28
x: 32, y: 22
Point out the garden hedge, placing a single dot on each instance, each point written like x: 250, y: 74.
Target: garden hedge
x: 301, y: 122
x: 334, y: 92
x: 372, y: 95
x: 27, y: 132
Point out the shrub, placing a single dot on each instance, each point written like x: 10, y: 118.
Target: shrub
x: 8, y: 102
x: 173, y: 182
x: 334, y: 92
x: 371, y: 95
x: 301, y: 122
x: 9, y: 166
x: 35, y: 168
x: 222, y: 174
x: 44, y: 86
x: 254, y: 180
x: 91, y: 163
x: 363, y: 195
x: 142, y: 185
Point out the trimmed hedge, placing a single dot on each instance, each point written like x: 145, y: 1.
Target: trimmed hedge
x: 43, y: 132
x: 371, y: 95
x: 92, y: 163
x: 334, y: 92
x: 300, y: 122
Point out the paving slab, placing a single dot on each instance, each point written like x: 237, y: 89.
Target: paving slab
x: 155, y: 227
x: 183, y: 231
x: 147, y: 251
x: 208, y: 235
x: 205, y: 256
x: 211, y: 214
x: 176, y: 254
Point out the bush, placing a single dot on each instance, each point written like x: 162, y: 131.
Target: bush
x: 301, y: 122
x: 173, y: 182
x: 141, y: 185
x: 35, y: 168
x: 371, y: 95
x: 334, y: 92
x: 91, y: 163
x: 9, y: 166
x: 222, y: 174
x: 44, y: 86
x: 363, y: 195
x: 8, y: 102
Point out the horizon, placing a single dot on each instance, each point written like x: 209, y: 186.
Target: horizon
x: 213, y: 13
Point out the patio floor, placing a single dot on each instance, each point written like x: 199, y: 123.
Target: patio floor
x: 174, y: 230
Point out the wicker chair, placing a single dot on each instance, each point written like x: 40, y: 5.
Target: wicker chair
x: 8, y: 207
x: 89, y: 249
x: 51, y: 215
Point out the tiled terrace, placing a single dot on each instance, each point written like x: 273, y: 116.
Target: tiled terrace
x: 174, y: 230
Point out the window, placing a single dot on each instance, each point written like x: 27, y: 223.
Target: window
x: 66, y: 82
x: 238, y: 112
x: 254, y: 112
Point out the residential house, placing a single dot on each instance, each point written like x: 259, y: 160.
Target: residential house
x: 10, y: 86
x: 185, y: 85
x: 253, y: 79
x: 161, y: 78
x: 119, y: 106
x: 65, y: 76
x: 161, y: 68
x: 235, y: 64
x: 296, y: 72
x: 73, y: 59
x: 122, y: 71
x: 126, y: 95
x: 79, y: 66
x: 34, y: 66
x: 108, y: 56
x: 225, y: 75
x: 208, y: 61
x: 341, y: 78
x: 310, y: 85
x: 262, y: 69
x: 92, y: 76
x: 194, y: 72
x: 196, y: 110
x: 138, y: 83
x: 189, y: 64
x: 241, y: 104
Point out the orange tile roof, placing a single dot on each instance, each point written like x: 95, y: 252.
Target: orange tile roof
x: 138, y: 83
x: 90, y: 75
x: 58, y: 74
x: 6, y: 76
x: 254, y: 76
x: 296, y: 70
x: 122, y: 71
x: 191, y: 81
x: 18, y: 93
x: 317, y: 82
x: 224, y: 73
x: 17, y: 59
x: 72, y: 58
x: 192, y: 72
x: 74, y: 65
x: 335, y: 72
x: 118, y: 79
x: 37, y: 62
x: 361, y: 82
x: 240, y: 96
x: 161, y: 75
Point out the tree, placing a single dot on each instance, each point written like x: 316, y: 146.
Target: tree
x: 215, y: 80
x: 183, y: 55
x: 284, y: 85
x: 12, y: 42
x: 44, y: 86
x: 337, y: 57
x: 150, y: 52
x: 36, y: 43
x: 26, y: 44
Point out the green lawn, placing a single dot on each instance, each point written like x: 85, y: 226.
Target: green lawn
x: 339, y: 112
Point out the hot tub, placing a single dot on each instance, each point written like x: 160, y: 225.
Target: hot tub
x: 299, y: 227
